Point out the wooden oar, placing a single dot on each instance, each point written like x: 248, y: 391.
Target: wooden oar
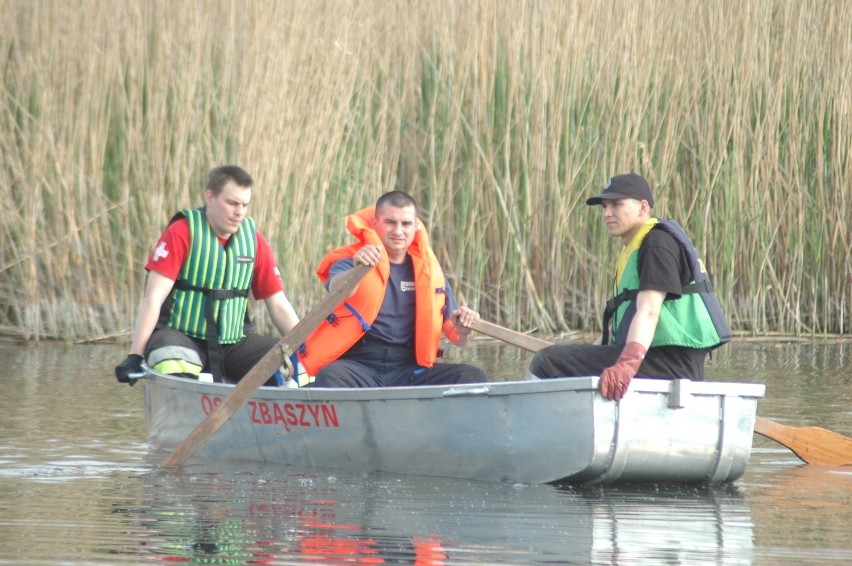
x: 524, y: 341
x: 264, y: 368
x: 813, y: 445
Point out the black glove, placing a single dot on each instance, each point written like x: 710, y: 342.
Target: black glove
x: 130, y: 369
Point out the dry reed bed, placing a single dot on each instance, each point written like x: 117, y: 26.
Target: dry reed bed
x: 501, y: 117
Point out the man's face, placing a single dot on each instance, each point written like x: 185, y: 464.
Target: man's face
x: 624, y: 217
x: 396, y: 227
x: 226, y: 211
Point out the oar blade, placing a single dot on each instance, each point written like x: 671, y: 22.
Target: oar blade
x: 813, y: 445
x: 264, y: 368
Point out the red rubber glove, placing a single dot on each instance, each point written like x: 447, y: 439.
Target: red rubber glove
x: 615, y: 379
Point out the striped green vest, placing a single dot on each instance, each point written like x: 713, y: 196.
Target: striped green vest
x: 214, y: 282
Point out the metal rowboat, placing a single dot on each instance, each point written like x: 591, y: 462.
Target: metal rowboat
x: 558, y: 430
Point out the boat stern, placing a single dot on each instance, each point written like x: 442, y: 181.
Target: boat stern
x: 675, y: 431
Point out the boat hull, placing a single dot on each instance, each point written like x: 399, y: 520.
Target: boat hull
x: 558, y: 430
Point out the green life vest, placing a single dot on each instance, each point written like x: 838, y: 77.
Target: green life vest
x: 693, y: 320
x: 210, y: 297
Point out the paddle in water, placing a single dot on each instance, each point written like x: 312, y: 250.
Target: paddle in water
x: 813, y: 445
x: 265, y: 367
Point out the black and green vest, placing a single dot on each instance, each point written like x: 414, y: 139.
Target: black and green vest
x: 693, y: 320
x: 209, y: 299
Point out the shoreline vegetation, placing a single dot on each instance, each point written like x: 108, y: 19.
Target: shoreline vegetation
x: 501, y: 118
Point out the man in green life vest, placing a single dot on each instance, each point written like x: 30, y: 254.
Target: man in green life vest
x: 205, y: 266
x: 663, y: 318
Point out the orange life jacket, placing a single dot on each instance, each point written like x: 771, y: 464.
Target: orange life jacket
x: 353, y: 317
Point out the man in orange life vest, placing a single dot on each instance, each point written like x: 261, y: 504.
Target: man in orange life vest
x: 388, y: 332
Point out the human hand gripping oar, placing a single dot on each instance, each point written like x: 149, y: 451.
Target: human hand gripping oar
x: 265, y: 367
x: 813, y: 445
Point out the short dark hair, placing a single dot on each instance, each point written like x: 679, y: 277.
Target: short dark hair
x: 397, y: 199
x: 222, y: 175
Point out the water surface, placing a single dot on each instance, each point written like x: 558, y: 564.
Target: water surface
x: 79, y: 485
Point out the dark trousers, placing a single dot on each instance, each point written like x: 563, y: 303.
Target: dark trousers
x: 237, y: 359
x: 371, y: 363
x: 580, y: 360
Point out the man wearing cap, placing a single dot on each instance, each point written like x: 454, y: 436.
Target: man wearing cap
x: 663, y: 318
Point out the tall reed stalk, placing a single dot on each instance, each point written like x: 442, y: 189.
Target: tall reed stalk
x: 500, y: 117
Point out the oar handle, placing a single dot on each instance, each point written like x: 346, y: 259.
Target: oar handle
x: 524, y: 341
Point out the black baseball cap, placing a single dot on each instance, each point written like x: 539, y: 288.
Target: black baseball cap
x: 628, y: 185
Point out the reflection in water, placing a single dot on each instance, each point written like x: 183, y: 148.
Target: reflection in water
x: 810, y: 495
x: 280, y: 514
x: 710, y: 526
